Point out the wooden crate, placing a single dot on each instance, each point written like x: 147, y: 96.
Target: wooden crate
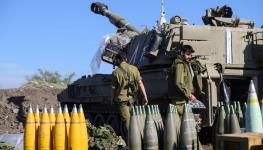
x: 241, y: 141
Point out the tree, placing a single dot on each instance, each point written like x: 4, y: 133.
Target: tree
x: 51, y: 77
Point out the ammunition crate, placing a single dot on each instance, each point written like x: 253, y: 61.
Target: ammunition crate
x: 240, y: 141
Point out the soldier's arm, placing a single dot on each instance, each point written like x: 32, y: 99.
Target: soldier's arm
x: 142, y: 89
x: 179, y: 81
x: 113, y: 87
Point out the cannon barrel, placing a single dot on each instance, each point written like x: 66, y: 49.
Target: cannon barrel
x: 115, y: 19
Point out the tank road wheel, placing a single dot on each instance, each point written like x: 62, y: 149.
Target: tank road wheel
x: 99, y: 120
x: 113, y: 122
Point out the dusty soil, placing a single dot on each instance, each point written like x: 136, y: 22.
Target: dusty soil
x: 14, y: 104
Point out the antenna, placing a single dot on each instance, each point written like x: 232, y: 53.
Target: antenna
x: 162, y: 17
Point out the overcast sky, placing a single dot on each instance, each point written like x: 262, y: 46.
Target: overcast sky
x: 64, y: 35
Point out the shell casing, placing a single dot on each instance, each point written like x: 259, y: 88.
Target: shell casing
x: 37, y: 124
x: 83, y: 131
x: 44, y: 132
x: 30, y: 133
x: 74, y: 131
x: 59, y: 136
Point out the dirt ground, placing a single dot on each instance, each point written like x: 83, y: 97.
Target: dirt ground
x: 14, y: 103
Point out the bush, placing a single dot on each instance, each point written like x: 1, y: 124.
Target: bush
x: 51, y: 77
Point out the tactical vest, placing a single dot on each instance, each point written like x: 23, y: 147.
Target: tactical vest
x: 192, y: 79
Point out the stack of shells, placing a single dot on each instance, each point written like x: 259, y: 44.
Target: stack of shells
x: 52, y: 131
x: 147, y: 130
x: 231, y: 118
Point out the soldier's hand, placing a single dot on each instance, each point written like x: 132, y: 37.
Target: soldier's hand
x: 192, y: 98
x: 145, y: 101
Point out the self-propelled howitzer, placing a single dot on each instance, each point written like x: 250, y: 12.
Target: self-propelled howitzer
x: 233, y: 42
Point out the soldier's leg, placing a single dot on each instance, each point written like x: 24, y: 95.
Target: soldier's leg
x: 125, y: 116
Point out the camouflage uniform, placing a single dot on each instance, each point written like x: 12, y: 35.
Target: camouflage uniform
x: 124, y: 92
x: 185, y: 79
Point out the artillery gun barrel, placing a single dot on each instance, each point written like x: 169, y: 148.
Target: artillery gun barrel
x: 115, y: 19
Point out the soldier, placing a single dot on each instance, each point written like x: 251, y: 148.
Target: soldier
x: 186, y: 80
x: 126, y: 80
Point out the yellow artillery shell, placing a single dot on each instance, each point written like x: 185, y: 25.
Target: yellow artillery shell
x: 67, y: 122
x: 60, y: 132
x: 74, y: 131
x: 44, y: 132
x: 37, y: 124
x: 83, y: 129
x: 52, y: 119
x: 30, y: 133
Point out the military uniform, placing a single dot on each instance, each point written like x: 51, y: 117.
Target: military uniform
x: 185, y: 79
x: 122, y: 77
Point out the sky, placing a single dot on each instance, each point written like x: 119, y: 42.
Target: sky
x: 64, y: 35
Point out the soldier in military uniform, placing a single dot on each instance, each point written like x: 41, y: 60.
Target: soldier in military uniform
x: 126, y: 80
x: 186, y: 80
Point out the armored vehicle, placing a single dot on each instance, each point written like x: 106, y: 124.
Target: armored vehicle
x: 232, y: 42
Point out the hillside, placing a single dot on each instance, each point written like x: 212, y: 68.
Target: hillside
x: 14, y: 102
